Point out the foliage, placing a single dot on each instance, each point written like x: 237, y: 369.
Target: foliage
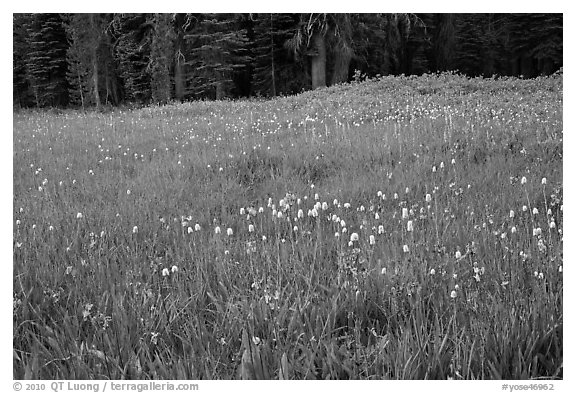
x: 143, y: 58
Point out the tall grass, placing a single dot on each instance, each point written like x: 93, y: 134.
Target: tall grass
x: 271, y: 239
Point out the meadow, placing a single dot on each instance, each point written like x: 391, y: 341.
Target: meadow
x: 396, y: 228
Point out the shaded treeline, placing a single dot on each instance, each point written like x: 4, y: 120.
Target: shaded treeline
x: 118, y: 59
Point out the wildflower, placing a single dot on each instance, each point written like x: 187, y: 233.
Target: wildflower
x: 453, y: 294
x: 458, y: 254
x: 50, y: 228
x: 190, y: 230
x: 17, y: 222
x: 128, y: 192
x: 535, y: 211
x: 261, y: 210
x: 407, y: 190
x: 217, y: 230
x: 406, y: 249
x: 135, y: 229
x: 379, y: 194
x: 536, y: 231
x: 442, y: 165
x: 560, y: 269
x: 540, y: 276
x: 524, y: 208
x: 174, y: 269
x: 432, y: 272
x: 280, y: 215
x: 372, y: 240
x: 456, y: 287
x: 295, y: 229
x: 226, y: 252
x: 347, y: 205
x: 40, y: 189
x: 434, y: 169
x: 395, y: 196
x: 428, y: 198
x: 503, y: 235
x: 541, y: 245
x: 335, y: 202
x: 552, y: 225
x: 342, y: 223
x: 250, y: 228
x: 383, y: 271
x: 354, y: 237
x: 316, y: 197
x: 380, y: 229
x: 263, y: 238
x: 229, y: 232
x: 197, y: 227
x: 404, y: 213
x: 256, y: 340
x: 324, y: 206
x: 344, y: 230
x: 337, y: 234
x: 79, y: 215
x: 69, y: 269
x: 350, y: 243
x: 362, y: 208
x: 544, y: 181
x: 523, y: 181
x: 376, y: 216
x: 242, y: 211
x: 165, y: 272
x: 511, y: 213
x: 409, y: 226
x: 453, y: 161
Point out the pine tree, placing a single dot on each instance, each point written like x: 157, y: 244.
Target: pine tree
x: 219, y: 48
x: 273, y: 68
x: 21, y: 90
x: 132, y: 52
x: 46, y: 61
x: 161, y: 55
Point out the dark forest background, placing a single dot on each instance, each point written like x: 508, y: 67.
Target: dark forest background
x: 103, y: 60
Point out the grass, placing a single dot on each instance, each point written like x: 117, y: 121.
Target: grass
x: 362, y: 231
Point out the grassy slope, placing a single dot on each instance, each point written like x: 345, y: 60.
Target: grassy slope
x: 90, y: 300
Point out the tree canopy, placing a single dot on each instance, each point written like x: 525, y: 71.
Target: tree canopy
x: 133, y: 59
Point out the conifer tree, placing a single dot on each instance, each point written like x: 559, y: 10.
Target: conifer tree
x: 274, y: 71
x: 219, y: 48
x: 161, y: 55
x: 132, y: 53
x: 46, y: 59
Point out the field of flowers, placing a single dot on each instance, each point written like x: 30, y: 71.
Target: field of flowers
x: 398, y: 228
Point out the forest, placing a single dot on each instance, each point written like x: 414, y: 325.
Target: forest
x: 108, y: 60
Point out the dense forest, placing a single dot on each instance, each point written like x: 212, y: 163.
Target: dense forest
x: 103, y: 60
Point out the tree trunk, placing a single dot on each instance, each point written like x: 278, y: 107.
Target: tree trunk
x: 179, y: 80
x: 95, y: 78
x: 179, y: 73
x: 272, y: 55
x: 318, y: 61
x: 95, y: 44
x: 341, y: 67
x: 220, y: 90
